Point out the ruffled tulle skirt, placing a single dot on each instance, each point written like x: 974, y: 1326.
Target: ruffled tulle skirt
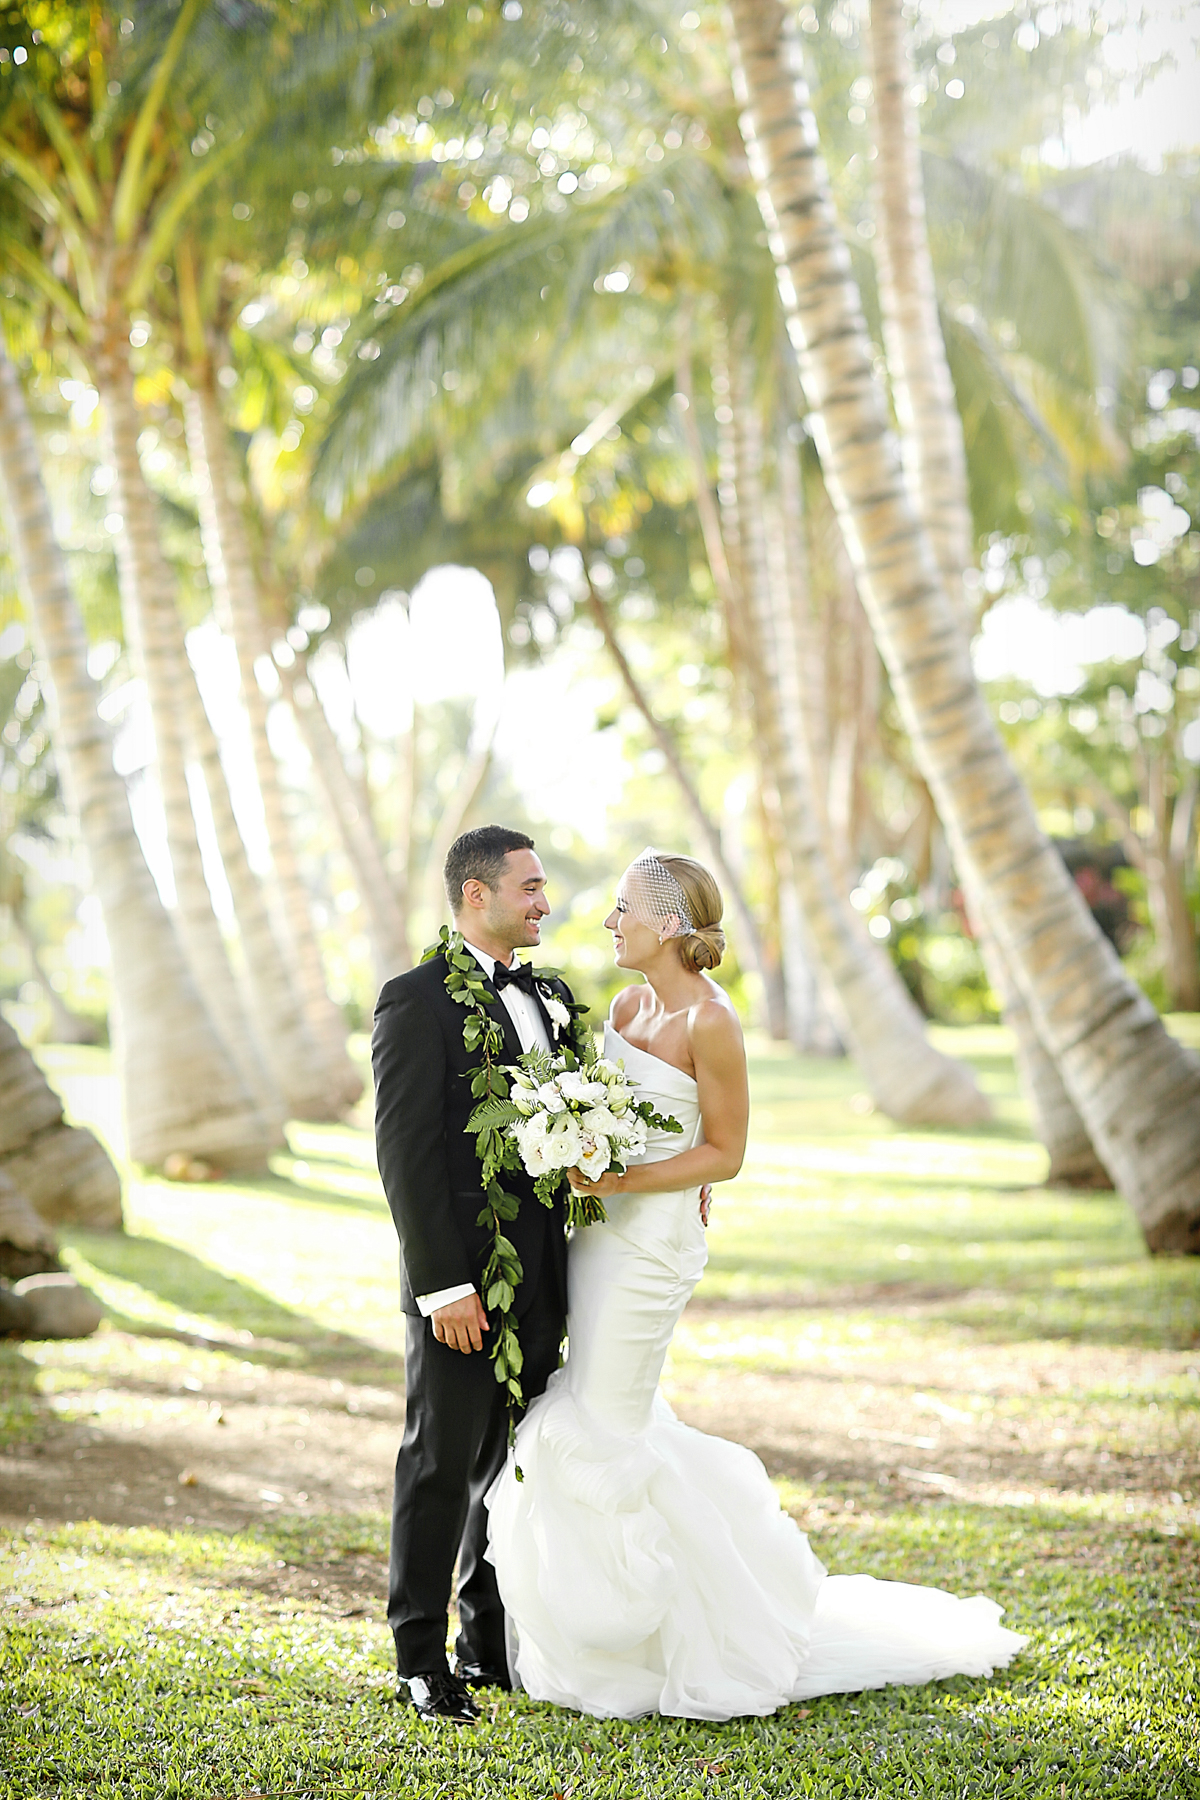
x: 658, y: 1573
x: 646, y: 1567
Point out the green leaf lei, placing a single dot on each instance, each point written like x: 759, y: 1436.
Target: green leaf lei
x: 497, y: 1152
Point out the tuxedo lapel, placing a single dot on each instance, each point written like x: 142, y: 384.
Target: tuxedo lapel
x: 551, y: 1033
x: 498, y: 1011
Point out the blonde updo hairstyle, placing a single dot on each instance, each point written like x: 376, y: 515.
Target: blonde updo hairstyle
x: 704, y: 947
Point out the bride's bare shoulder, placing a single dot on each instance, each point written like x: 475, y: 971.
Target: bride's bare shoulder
x: 715, y: 1030
x: 626, y: 1006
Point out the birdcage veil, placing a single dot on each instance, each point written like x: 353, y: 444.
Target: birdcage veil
x: 652, y: 895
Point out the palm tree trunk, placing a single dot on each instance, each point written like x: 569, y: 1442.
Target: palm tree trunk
x: 455, y: 814
x: 936, y: 461
x: 810, y: 1027
x: 767, y: 946
x: 908, y: 1079
x: 1166, y: 887
x: 280, y: 1031
x: 1137, y: 1090
x: 922, y: 388
x: 179, y: 1088
x: 707, y: 511
x: 27, y: 1244
x: 66, y: 1027
x: 1160, y: 859
x: 806, y: 682
x: 348, y: 809
x: 706, y: 829
x: 1056, y: 1120
x: 155, y: 635
x: 61, y: 1169
x: 235, y: 601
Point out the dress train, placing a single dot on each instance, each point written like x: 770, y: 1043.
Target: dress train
x: 647, y: 1567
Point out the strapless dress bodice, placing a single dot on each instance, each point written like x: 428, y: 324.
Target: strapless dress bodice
x: 667, y: 1088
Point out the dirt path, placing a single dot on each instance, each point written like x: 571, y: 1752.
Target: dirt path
x: 162, y: 1431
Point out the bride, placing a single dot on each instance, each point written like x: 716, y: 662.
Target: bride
x: 645, y: 1567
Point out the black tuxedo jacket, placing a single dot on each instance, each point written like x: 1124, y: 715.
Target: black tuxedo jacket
x: 427, y: 1158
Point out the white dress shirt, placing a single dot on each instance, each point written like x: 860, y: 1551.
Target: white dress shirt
x: 530, y: 1027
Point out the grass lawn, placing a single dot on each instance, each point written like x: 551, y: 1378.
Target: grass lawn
x: 953, y: 1376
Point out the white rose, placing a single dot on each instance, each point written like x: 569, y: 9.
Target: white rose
x: 576, y: 1086
x: 532, y: 1137
x: 539, y: 1158
x: 550, y: 1098
x: 531, y: 1131
x: 594, y: 1158
x: 564, y: 1143
x: 619, y: 1097
x: 598, y: 1121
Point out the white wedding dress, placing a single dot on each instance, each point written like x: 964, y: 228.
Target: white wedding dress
x: 646, y: 1567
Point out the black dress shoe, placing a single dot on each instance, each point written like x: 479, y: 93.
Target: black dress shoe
x: 440, y: 1695
x: 474, y: 1675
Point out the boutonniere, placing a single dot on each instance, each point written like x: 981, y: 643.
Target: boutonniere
x: 556, y: 1010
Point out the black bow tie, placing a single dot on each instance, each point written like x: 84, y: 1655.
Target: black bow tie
x: 521, y: 975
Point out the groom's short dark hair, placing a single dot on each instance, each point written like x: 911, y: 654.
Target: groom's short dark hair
x: 479, y: 856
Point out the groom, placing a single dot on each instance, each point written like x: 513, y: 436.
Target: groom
x: 456, y: 1427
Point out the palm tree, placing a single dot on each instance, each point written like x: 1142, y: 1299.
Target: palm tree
x: 108, y: 186
x: 101, y: 240
x: 470, y: 309
x: 281, y: 1038
x: 155, y: 632
x: 60, y: 1169
x: 1161, y: 856
x: 907, y: 1077
x: 1056, y: 1121
x: 922, y: 389
x: 29, y: 794
x: 348, y: 808
x: 936, y: 463
x: 27, y: 1244
x: 464, y: 796
x: 235, y: 602
x: 1136, y: 1089
x: 180, y: 1090
x: 706, y: 829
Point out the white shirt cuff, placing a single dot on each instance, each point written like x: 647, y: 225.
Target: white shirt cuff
x: 427, y: 1304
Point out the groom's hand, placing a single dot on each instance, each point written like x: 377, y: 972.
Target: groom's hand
x: 461, y: 1325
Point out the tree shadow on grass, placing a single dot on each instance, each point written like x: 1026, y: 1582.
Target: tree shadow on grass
x: 292, y: 1188
x: 1135, y: 1305
x: 19, y: 1409
x: 1141, y: 1307
x: 826, y: 1184
x: 260, y: 1329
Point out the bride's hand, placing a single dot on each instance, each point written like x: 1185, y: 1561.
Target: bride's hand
x: 599, y: 1189
x: 705, y: 1202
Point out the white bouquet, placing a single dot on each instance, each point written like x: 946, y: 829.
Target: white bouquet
x: 563, y: 1112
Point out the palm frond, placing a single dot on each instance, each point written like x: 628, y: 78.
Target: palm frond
x: 1022, y: 425
x: 1031, y: 271
x: 483, y: 308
